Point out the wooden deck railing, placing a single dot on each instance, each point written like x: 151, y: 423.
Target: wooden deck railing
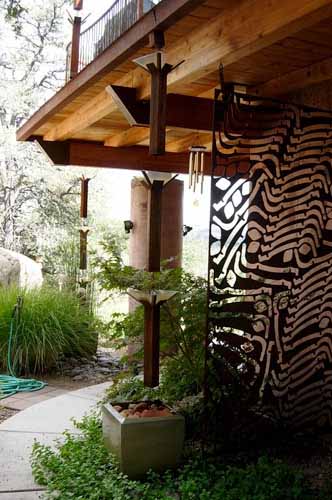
x: 103, y: 32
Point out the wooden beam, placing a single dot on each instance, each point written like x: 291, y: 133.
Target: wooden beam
x: 160, y: 17
x: 92, y: 111
x: 129, y: 137
x: 182, y: 111
x: 295, y: 80
x: 94, y: 154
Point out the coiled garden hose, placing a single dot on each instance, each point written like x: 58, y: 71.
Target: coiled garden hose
x: 10, y: 384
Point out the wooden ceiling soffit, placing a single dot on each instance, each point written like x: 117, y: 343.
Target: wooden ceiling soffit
x: 182, y: 111
x: 92, y: 111
x: 128, y: 137
x: 184, y: 143
x: 93, y: 154
x: 296, y: 80
x: 160, y: 17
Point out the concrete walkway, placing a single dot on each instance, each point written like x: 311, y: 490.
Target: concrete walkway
x: 44, y: 422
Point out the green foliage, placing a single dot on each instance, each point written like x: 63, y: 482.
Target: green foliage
x: 81, y: 468
x: 51, y: 324
x: 182, y: 319
x: 128, y: 387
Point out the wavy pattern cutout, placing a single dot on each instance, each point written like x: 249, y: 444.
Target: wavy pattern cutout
x: 270, y: 268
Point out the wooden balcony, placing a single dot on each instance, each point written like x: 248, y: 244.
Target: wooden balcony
x: 118, y: 19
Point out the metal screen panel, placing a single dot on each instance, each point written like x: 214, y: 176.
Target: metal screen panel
x: 270, y: 261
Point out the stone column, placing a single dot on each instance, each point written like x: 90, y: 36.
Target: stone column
x: 171, y: 228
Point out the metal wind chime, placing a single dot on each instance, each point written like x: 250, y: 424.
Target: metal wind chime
x: 196, y: 167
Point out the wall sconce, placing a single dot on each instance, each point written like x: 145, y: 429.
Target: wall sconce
x: 128, y: 225
x: 186, y: 229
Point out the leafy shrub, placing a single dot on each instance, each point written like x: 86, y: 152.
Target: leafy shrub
x: 51, y: 324
x: 182, y: 319
x: 81, y: 468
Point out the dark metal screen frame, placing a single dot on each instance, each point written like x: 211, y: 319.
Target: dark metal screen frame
x: 308, y: 400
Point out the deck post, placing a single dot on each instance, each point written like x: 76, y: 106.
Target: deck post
x: 84, y: 249
x: 151, y: 344
x: 140, y: 8
x: 78, y: 4
x: 154, y: 226
x: 84, y: 197
x: 75, y: 47
x: 152, y: 311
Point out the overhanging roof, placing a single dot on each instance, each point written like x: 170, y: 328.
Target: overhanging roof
x: 272, y: 46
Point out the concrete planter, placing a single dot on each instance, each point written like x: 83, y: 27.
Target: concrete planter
x: 141, y: 444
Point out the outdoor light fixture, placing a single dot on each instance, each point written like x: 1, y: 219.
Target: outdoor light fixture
x: 128, y: 225
x: 155, y: 64
x: 186, y: 229
x: 196, y: 166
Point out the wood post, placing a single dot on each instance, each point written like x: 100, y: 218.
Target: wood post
x: 75, y: 47
x: 152, y: 311
x: 158, y: 103
x: 154, y: 226
x: 84, y: 197
x: 140, y: 8
x: 84, y: 249
x: 158, y: 108
x: 78, y: 4
x: 151, y: 344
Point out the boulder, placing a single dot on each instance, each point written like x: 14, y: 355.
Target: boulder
x: 17, y: 269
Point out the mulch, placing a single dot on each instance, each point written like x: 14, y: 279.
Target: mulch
x: 6, y: 413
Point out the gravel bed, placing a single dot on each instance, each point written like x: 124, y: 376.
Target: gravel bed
x: 97, y: 369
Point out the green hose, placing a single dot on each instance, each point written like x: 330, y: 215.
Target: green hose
x: 10, y: 384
